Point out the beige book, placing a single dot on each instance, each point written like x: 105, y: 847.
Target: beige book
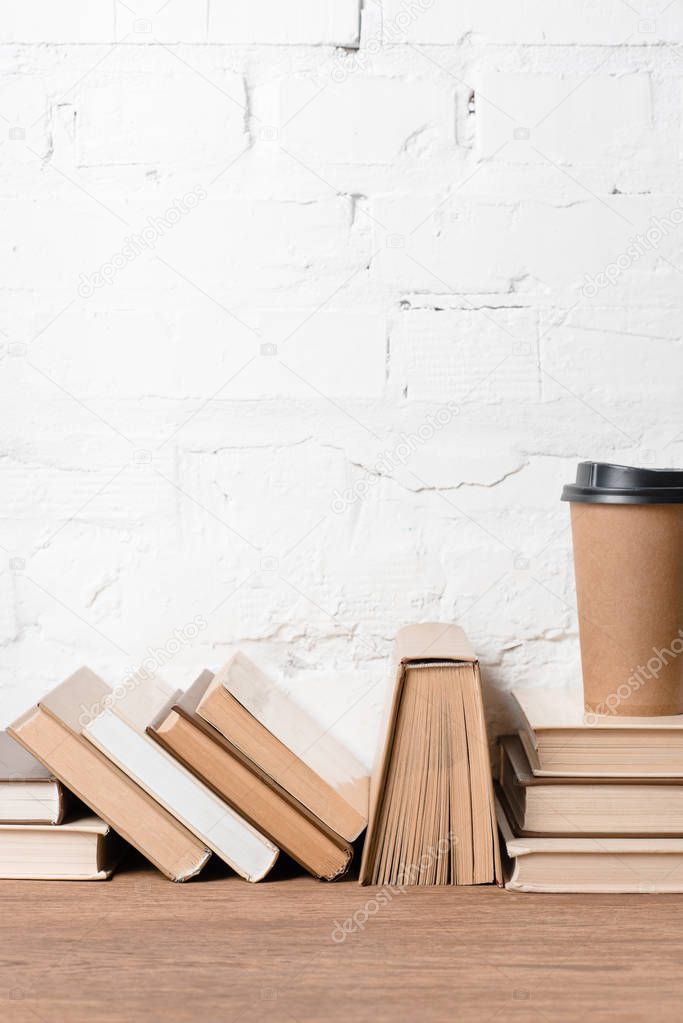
x: 246, y: 788
x: 286, y: 744
x: 586, y: 806
x: 432, y: 815
x: 52, y: 733
x: 82, y: 849
x: 561, y: 738
x: 619, y: 865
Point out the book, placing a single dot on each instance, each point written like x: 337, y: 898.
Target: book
x: 82, y: 849
x: 247, y: 789
x: 119, y: 734
x: 51, y: 731
x: 432, y: 818
x: 286, y: 744
x: 29, y: 793
x: 619, y: 865
x: 586, y: 806
x: 561, y: 739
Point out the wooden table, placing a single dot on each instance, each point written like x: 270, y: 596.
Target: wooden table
x: 141, y: 948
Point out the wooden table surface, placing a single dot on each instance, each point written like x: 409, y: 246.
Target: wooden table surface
x: 141, y: 948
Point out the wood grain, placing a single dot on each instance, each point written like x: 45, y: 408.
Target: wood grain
x: 141, y: 948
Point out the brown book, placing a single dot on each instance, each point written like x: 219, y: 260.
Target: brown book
x: 546, y: 806
x: 270, y: 729
x: 29, y: 793
x: 246, y: 788
x: 52, y: 733
x: 432, y: 813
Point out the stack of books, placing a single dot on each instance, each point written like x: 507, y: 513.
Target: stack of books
x: 44, y: 835
x: 590, y: 803
x: 233, y: 767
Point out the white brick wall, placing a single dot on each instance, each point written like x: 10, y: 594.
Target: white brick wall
x: 308, y: 313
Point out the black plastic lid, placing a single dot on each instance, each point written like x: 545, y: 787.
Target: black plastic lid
x: 604, y: 483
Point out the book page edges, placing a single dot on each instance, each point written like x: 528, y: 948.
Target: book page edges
x: 424, y: 642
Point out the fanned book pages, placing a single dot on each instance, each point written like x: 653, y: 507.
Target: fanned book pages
x: 29, y: 793
x: 620, y: 865
x: 562, y: 739
x: 546, y: 806
x: 432, y: 817
x: 52, y: 732
x: 289, y: 746
x: 119, y: 734
x: 82, y: 849
x: 246, y: 788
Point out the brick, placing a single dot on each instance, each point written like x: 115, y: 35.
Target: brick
x: 96, y: 353
x: 322, y: 22
x: 316, y: 356
x: 72, y: 21
x: 355, y: 121
x: 147, y: 108
x: 464, y: 356
x: 600, y: 355
x: 445, y: 245
x: 573, y: 119
x: 538, y: 22
x: 610, y: 22
x: 148, y: 21
x: 241, y: 249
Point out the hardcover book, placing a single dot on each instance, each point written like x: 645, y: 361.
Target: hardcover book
x: 280, y: 739
x: 643, y: 865
x: 561, y: 738
x: 432, y: 817
x: 82, y: 849
x: 541, y: 805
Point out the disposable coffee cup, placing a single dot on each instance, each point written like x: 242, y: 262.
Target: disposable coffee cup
x: 627, y: 533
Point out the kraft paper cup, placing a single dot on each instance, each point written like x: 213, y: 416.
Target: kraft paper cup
x: 627, y: 532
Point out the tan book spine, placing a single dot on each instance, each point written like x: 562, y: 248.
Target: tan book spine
x: 243, y: 730
x: 111, y: 795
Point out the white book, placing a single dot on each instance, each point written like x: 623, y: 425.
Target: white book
x: 118, y: 732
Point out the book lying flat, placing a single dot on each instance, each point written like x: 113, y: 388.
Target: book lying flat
x: 586, y: 806
x: 119, y: 734
x: 236, y: 780
x: 432, y: 817
x: 52, y: 733
x: 29, y: 793
x: 287, y: 745
x: 643, y: 865
x: 561, y: 739
x: 82, y: 849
